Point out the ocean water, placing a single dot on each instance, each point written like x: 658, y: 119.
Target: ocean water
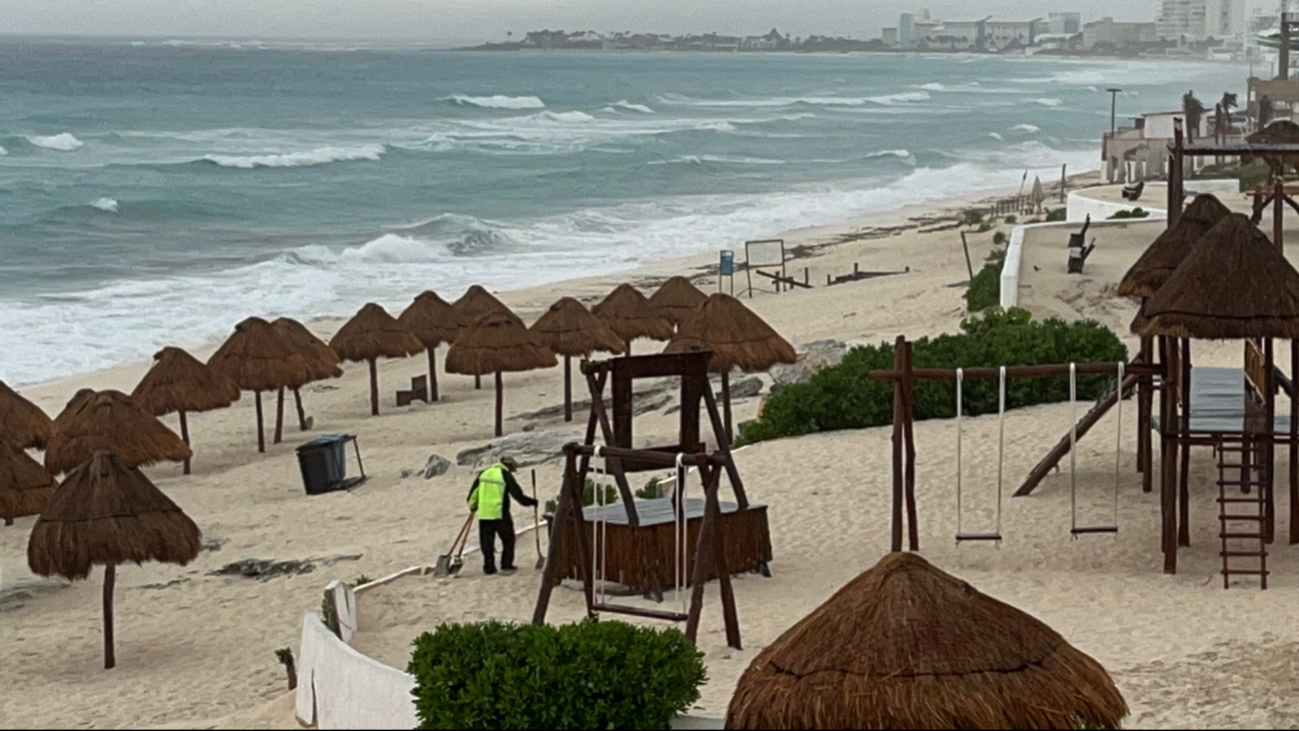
x: 156, y: 193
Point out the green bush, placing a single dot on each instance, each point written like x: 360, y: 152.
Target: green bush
x: 1137, y: 212
x: 985, y: 227
x: 590, y: 675
x: 1057, y: 214
x: 1011, y: 219
x: 588, y: 496
x: 972, y: 217
x: 843, y: 397
x: 985, y: 289
x: 650, y: 491
x: 999, y: 238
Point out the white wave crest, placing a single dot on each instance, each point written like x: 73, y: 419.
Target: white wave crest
x: 107, y: 205
x: 397, y: 249
x: 560, y: 118
x: 900, y: 154
x: 1052, y: 103
x: 304, y: 158
x: 631, y: 107
x: 1026, y: 128
x: 3, y: 152
x: 63, y: 142
x: 996, y: 136
x: 499, y: 101
x: 900, y: 98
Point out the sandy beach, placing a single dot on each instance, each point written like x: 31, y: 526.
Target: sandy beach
x: 197, y: 649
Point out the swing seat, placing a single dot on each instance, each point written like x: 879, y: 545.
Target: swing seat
x: 659, y: 614
x: 978, y: 538
x: 1097, y: 531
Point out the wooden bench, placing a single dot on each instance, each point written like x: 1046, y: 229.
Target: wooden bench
x: 418, y: 392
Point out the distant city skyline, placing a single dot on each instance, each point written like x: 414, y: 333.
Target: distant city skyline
x: 453, y: 21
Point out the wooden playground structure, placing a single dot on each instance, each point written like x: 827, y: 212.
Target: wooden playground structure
x: 1231, y: 410
x: 651, y: 546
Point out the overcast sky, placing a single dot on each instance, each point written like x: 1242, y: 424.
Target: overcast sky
x: 474, y: 20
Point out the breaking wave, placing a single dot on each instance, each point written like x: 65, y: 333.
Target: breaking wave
x: 63, y: 142
x: 499, y: 101
x: 304, y: 158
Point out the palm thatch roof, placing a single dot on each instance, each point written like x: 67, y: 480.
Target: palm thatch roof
x: 433, y: 320
x: 1233, y: 285
x: 1157, y: 262
x: 1282, y: 132
x: 372, y: 334
x: 257, y: 358
x: 737, y: 337
x: 25, y: 486
x: 630, y: 315
x: 110, y: 420
x: 905, y: 645
x: 322, y: 361
x: 569, y: 329
x: 22, y: 422
x: 476, y: 302
x: 180, y: 382
x: 677, y: 299
x: 497, y: 343
x: 108, y: 513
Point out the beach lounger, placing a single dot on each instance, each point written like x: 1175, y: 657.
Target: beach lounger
x: 1133, y: 192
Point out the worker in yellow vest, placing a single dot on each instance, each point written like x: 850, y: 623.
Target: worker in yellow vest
x: 489, y: 499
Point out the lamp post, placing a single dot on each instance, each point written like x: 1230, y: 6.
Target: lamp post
x: 1114, y: 101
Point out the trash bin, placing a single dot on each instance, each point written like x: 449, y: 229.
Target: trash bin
x: 323, y: 463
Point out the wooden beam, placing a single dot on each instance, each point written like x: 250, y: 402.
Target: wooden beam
x: 612, y: 464
x: 898, y: 477
x: 909, y: 446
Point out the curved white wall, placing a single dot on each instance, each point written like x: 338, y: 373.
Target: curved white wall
x: 1154, y: 199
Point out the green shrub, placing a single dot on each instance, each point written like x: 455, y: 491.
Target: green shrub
x: 972, y: 217
x: 650, y: 491
x: 588, y: 496
x: 590, y: 675
x: 985, y: 227
x: 1137, y: 212
x: 1057, y: 214
x: 999, y: 238
x: 985, y: 288
x: 361, y: 580
x: 1011, y: 219
x: 843, y: 397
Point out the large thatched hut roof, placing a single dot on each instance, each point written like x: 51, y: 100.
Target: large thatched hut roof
x: 322, y: 361
x: 180, y: 382
x: 677, y: 299
x: 372, y: 334
x: 257, y: 358
x: 108, y: 513
x: 476, y: 302
x: 569, y: 329
x: 497, y: 344
x: 630, y: 315
x: 433, y: 320
x: 22, y: 422
x: 905, y: 645
x: 1233, y: 285
x: 113, y: 421
x: 25, y: 486
x: 1169, y: 249
x: 737, y: 337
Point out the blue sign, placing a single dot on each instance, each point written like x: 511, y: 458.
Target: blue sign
x: 726, y: 267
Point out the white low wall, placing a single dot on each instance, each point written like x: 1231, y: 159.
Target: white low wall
x: 1015, y: 250
x: 1154, y: 198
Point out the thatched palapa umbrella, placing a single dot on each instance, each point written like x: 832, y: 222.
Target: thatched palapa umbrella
x: 257, y: 358
x: 178, y: 382
x: 569, y: 330
x: 22, y: 422
x: 25, y: 486
x: 1233, y: 285
x: 473, y: 305
x: 107, y: 513
x: 738, y: 338
x: 677, y: 300
x: 1166, y: 252
x: 322, y: 364
x: 372, y: 334
x: 905, y: 645
x: 434, y: 321
x: 497, y: 344
x: 630, y: 315
x: 113, y: 421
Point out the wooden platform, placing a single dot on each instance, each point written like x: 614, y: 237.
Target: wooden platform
x: 1218, y: 405
x: 641, y: 559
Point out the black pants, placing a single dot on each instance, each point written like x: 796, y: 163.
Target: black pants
x: 488, y: 530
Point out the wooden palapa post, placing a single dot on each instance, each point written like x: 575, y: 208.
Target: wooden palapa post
x: 374, y: 387
x: 1294, y: 444
x: 1168, y: 455
x: 1184, y: 447
x: 899, y: 346
x: 1145, y: 410
x: 184, y: 435
x: 261, y: 432
x: 500, y: 406
x: 1269, y: 447
x: 279, y: 416
x: 568, y: 388
x: 433, y: 396
x: 909, y: 446
x: 302, y: 413
x: 110, y: 579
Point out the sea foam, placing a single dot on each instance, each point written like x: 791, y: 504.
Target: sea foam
x: 107, y: 205
x: 499, y: 101
x: 304, y: 158
x: 63, y: 142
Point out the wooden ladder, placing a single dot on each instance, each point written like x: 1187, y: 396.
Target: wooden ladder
x: 1242, y: 513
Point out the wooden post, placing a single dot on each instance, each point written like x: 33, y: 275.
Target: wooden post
x: 433, y: 396
x: 726, y: 408
x: 899, y: 346
x: 279, y: 416
x: 110, y: 579
x: 1168, y: 455
x: 1184, y: 431
x: 568, y: 388
x: 478, y: 382
x: 710, y: 553
x: 1145, y: 408
x: 500, y: 406
x: 1269, y: 448
x: 1064, y: 179
x: 184, y: 434
x: 909, y: 446
x: 558, y: 534
x: 302, y: 413
x: 1278, y: 216
x: 1179, y: 140
x: 1294, y: 447
x: 374, y: 387
x: 261, y: 435
x: 968, y: 264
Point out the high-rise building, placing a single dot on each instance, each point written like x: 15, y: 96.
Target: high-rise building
x: 1064, y: 23
x: 1197, y: 20
x: 906, y: 31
